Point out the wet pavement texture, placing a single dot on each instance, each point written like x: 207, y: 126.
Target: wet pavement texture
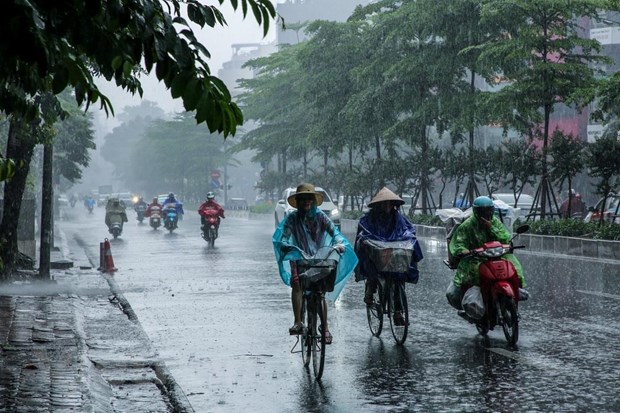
x: 69, y: 345
x: 218, y: 319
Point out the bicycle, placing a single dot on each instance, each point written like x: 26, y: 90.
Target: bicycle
x: 391, y: 259
x: 317, y: 275
x: 389, y: 295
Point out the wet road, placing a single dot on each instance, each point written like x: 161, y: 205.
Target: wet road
x: 219, y: 318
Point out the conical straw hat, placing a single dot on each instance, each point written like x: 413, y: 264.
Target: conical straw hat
x: 386, y: 195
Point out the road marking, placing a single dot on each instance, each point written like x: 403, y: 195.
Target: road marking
x: 509, y: 354
x: 539, y: 362
x: 599, y: 294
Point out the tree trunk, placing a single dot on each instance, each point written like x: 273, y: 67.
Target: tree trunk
x: 471, y: 167
x: 305, y: 163
x: 325, y: 159
x: 47, y: 228
x: 20, y: 146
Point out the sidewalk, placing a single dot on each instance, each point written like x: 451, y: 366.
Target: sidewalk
x: 75, y: 345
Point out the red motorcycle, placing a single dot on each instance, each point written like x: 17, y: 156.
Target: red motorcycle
x: 210, y: 226
x: 499, y: 288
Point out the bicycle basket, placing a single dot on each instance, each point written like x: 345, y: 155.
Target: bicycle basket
x: 390, y: 257
x: 317, y: 275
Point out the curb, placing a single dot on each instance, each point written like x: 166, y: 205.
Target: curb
x: 173, y: 391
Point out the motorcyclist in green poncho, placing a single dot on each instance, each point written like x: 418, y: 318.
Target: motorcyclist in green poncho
x: 479, y: 228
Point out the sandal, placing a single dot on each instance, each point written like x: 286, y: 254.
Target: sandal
x: 398, y: 319
x: 328, y: 337
x: 327, y: 334
x: 296, y: 330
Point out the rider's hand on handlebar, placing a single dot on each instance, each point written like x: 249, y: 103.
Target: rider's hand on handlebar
x: 339, y: 248
x: 285, y: 248
x: 464, y: 253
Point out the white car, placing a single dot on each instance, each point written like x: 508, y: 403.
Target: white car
x: 328, y: 206
x: 63, y: 200
x: 524, y: 205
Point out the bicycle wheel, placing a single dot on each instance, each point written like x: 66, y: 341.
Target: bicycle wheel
x: 318, y: 339
x: 305, y: 337
x: 374, y: 312
x: 397, y: 299
x: 510, y: 319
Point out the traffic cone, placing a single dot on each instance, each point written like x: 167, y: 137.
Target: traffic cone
x: 101, y: 257
x: 109, y: 261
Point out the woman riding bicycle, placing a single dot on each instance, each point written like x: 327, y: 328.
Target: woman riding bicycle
x: 384, y: 222
x: 309, y: 229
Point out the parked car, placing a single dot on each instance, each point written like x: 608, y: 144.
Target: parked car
x: 406, y: 208
x: 102, y: 199
x: 63, y: 200
x: 283, y: 208
x: 237, y: 203
x: 524, y: 204
x: 611, y: 210
x: 125, y: 197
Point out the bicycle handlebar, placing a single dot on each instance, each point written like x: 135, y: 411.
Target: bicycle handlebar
x: 287, y: 249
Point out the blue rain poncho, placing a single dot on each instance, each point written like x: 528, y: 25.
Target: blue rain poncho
x: 377, y: 227
x: 309, y: 233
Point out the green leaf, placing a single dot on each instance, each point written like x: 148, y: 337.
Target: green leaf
x: 61, y: 79
x: 148, y: 60
x: 161, y: 69
x: 7, y: 169
x: 195, y: 14
x: 179, y: 84
x: 221, y: 87
x: 117, y: 62
x: 265, y: 23
x: 257, y: 13
x: 209, y: 17
x: 192, y: 94
x: 127, y: 68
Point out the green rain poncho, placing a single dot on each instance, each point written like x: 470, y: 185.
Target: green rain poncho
x: 470, y: 235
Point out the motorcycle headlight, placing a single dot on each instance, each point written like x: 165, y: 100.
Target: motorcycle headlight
x: 135, y: 199
x: 494, y: 252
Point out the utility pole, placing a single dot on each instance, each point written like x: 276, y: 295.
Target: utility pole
x: 47, y: 197
x: 225, y: 174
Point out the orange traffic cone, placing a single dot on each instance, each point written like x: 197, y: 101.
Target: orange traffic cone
x: 109, y: 261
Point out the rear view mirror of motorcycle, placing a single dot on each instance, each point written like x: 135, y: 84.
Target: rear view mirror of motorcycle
x: 523, y: 229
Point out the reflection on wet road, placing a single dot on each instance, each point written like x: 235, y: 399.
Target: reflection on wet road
x: 219, y: 317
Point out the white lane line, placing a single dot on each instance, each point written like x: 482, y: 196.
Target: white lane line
x: 509, y: 354
x: 599, y: 294
x: 538, y: 362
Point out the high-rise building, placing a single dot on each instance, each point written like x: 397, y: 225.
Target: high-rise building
x: 300, y: 11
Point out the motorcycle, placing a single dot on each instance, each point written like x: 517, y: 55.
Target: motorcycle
x: 155, y: 217
x: 90, y: 204
x: 496, y: 301
x: 171, y: 218
x: 209, y: 228
x: 140, y: 212
x: 116, y: 228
